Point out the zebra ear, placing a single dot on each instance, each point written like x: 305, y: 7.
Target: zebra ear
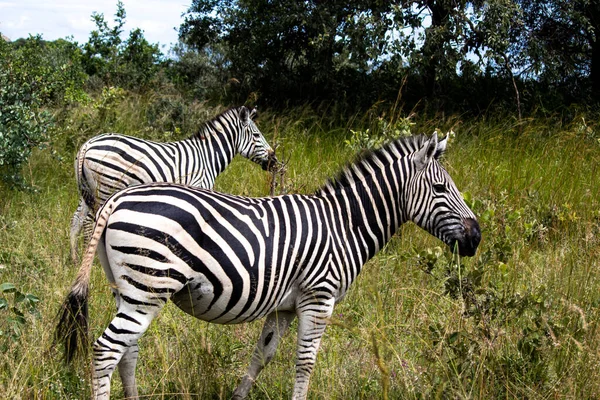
x: 441, y: 147
x: 253, y: 113
x: 425, y: 154
x: 244, y: 115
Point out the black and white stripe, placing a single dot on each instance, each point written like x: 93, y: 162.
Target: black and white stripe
x: 231, y: 259
x: 108, y: 163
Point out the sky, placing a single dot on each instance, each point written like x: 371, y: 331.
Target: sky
x: 56, y: 19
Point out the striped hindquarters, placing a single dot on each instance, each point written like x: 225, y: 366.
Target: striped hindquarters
x: 113, y: 162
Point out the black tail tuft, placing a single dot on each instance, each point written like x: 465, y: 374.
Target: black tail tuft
x: 72, y: 327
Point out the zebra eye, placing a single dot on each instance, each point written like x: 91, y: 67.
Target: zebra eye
x: 439, y: 188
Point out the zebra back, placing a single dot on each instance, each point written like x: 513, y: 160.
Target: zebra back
x: 110, y: 162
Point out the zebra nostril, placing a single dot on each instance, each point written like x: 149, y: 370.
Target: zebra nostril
x: 472, y: 228
x: 472, y: 232
x: 469, y: 241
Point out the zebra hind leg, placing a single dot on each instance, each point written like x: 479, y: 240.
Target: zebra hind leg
x: 129, y: 359
x: 118, y: 346
x: 127, y: 372
x: 77, y: 222
x: 274, y: 328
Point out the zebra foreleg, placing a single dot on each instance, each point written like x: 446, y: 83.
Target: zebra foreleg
x: 312, y: 321
x: 275, y: 327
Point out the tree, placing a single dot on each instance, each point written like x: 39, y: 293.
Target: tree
x: 440, y: 46
x: 132, y: 63
x: 139, y: 61
x: 201, y: 73
x: 559, y: 44
x: 101, y: 51
x: 294, y: 50
x: 443, y: 51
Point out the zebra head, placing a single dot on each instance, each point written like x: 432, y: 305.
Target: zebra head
x: 252, y: 143
x: 435, y: 204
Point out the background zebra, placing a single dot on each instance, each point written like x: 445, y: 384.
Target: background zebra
x: 108, y: 163
x: 231, y: 259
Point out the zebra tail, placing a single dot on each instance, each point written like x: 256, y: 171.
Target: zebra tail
x: 72, y: 327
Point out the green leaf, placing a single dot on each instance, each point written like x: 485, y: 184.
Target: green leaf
x: 17, y: 320
x: 453, y: 337
x: 32, y: 298
x: 8, y: 288
x: 17, y: 312
x: 19, y: 297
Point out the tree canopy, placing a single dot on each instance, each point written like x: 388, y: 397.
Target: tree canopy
x: 466, y: 53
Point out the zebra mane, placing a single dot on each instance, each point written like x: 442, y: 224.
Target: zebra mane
x: 207, y: 128
x: 374, y: 159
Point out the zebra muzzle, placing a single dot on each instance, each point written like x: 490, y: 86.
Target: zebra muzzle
x: 271, y: 163
x: 468, y: 242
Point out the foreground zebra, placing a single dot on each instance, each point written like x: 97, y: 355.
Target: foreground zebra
x: 231, y: 259
x: 108, y: 163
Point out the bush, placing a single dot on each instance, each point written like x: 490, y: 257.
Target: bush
x: 14, y: 307
x: 34, y: 75
x: 23, y: 125
x: 55, y: 66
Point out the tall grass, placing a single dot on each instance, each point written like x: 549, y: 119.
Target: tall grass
x: 516, y: 321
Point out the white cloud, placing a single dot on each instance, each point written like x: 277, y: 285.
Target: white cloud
x: 63, y: 18
x: 22, y: 22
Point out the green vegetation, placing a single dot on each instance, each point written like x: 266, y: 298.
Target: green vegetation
x: 516, y: 321
x: 132, y: 63
x: 456, y: 55
x: 23, y: 125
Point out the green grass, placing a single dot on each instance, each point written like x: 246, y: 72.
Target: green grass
x: 516, y: 321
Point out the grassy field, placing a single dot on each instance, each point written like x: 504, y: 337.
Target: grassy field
x: 517, y: 321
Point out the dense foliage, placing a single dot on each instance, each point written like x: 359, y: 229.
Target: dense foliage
x: 472, y: 57
x: 456, y: 55
x: 436, y: 55
x: 131, y: 64
x: 33, y: 74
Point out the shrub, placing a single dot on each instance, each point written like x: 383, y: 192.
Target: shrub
x: 34, y: 75
x: 23, y: 124
x: 384, y: 131
x: 14, y: 306
x: 131, y: 64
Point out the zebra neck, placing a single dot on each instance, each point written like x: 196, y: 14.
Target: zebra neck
x: 215, y: 145
x: 374, y: 214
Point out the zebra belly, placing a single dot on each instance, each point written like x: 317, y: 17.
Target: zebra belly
x: 197, y: 298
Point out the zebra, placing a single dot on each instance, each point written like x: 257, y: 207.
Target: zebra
x: 231, y: 259
x: 110, y: 162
